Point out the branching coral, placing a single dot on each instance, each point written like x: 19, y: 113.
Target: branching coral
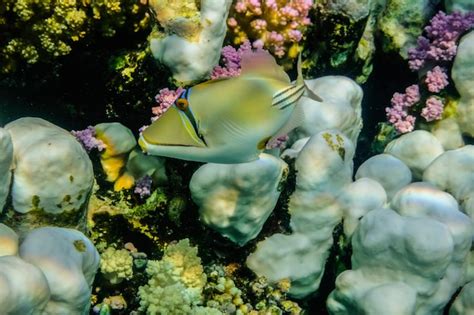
x: 116, y: 265
x: 36, y: 31
x: 431, y: 58
x: 176, y: 281
x: 275, y: 25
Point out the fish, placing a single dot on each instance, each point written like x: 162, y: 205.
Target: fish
x: 230, y: 120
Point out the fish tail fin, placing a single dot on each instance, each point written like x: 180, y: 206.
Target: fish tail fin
x: 300, y: 81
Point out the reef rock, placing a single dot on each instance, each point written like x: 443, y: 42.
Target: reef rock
x: 357, y: 199
x: 453, y: 171
x: 69, y: 261
x: 463, y: 77
x: 293, y: 256
x: 416, y: 149
x: 340, y: 109
x: 402, y: 21
x: 414, y: 257
x: 236, y: 199
x: 6, y: 159
x: 53, y: 176
x: 23, y: 287
x: 192, y: 40
x: 324, y: 167
x: 458, y: 5
x: 464, y: 302
x: 388, y: 171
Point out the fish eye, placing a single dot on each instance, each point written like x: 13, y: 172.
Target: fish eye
x: 182, y: 104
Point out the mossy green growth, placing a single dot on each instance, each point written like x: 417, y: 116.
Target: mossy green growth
x: 80, y: 246
x: 337, y: 145
x: 386, y: 134
x: 156, y: 200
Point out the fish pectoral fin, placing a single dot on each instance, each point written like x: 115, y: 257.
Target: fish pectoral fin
x: 262, y: 64
x: 296, y: 120
x: 313, y: 95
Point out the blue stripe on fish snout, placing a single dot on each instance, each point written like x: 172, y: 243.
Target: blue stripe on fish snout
x: 289, y: 97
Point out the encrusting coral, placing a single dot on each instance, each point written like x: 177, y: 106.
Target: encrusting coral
x: 37, y: 31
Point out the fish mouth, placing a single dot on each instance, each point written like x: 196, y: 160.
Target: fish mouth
x: 173, y: 128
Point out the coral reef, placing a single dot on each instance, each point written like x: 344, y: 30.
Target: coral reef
x: 190, y: 38
x: 47, y: 157
x: 277, y: 26
x: 43, y: 31
x: 116, y: 265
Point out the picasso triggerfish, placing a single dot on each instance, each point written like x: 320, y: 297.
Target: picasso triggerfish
x: 229, y: 120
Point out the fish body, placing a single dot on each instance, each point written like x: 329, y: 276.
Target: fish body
x: 227, y: 120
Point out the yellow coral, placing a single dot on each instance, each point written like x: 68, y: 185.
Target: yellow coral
x: 44, y: 30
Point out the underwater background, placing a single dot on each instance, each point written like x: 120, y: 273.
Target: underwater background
x: 156, y: 159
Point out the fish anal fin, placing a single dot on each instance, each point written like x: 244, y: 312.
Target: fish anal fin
x: 296, y: 120
x: 261, y: 63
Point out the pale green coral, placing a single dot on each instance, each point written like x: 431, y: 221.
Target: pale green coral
x: 116, y: 265
x: 176, y: 282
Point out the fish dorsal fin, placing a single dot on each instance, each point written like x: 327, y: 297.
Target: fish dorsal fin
x: 261, y: 63
x: 295, y: 121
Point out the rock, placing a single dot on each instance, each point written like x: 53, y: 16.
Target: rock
x: 236, y: 199
x: 358, y: 198
x: 341, y: 108
x: 8, y: 241
x: 23, y: 287
x: 464, y: 302
x: 416, y: 255
x: 53, y: 176
x: 69, y: 261
x: 458, y: 5
x: 416, y: 149
x: 463, y: 77
x: 402, y: 21
x: 453, y: 171
x: 295, y: 257
x: 192, y: 39
x: 6, y: 159
x: 388, y: 171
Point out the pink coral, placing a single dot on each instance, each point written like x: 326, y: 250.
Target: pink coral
x: 398, y: 114
x: 165, y: 98
x: 272, y: 24
x: 441, y: 36
x: 231, y: 58
x: 436, y: 79
x: 433, y: 109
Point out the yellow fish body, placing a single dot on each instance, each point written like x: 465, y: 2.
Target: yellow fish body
x: 228, y: 120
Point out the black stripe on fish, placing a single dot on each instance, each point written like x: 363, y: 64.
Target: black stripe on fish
x: 299, y: 90
x: 189, y: 113
x: 283, y: 91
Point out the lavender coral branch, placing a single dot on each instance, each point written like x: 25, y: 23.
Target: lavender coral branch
x: 88, y: 140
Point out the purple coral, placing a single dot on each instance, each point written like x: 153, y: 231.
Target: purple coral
x: 278, y: 143
x: 88, y: 140
x: 433, y: 109
x: 441, y: 36
x: 143, y: 186
x: 231, y: 58
x: 398, y: 113
x: 165, y: 98
x: 436, y: 79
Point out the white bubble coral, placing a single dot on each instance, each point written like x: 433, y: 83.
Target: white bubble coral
x: 116, y: 265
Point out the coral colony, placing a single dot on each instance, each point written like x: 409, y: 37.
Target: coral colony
x: 433, y: 56
x: 253, y: 190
